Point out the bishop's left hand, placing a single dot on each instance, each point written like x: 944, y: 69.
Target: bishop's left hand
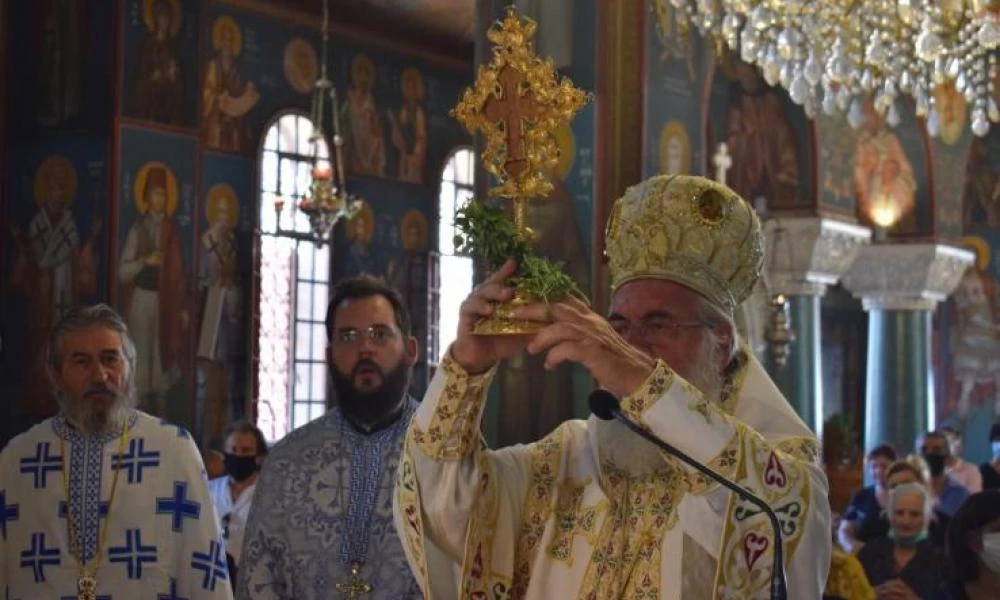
x: 575, y: 333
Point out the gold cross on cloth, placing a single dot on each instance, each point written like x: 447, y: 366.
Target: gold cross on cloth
x: 354, y: 587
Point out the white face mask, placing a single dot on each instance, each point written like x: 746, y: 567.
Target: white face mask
x: 991, y: 551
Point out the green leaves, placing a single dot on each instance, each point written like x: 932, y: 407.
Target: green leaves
x: 485, y: 231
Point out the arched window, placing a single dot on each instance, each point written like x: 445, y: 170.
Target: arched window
x: 294, y: 284
x: 457, y: 189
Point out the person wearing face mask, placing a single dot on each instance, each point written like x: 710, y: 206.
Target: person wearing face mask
x: 233, y: 493
x: 947, y: 495
x: 904, y: 564
x: 974, y: 550
x: 321, y: 525
x: 991, y: 470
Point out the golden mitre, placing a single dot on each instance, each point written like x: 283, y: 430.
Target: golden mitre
x: 690, y: 230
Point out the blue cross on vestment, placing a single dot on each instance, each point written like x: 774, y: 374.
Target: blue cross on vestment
x: 102, y: 511
x: 133, y: 553
x: 213, y: 564
x: 178, y: 506
x: 171, y: 593
x: 137, y: 459
x: 8, y: 513
x: 41, y: 464
x: 37, y: 557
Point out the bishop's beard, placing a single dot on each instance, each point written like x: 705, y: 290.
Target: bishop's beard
x: 637, y: 456
x: 100, y: 411
x: 371, y: 408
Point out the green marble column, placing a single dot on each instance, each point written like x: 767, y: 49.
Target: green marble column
x: 801, y: 379
x: 899, y: 398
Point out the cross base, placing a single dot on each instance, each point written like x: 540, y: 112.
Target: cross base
x: 354, y: 587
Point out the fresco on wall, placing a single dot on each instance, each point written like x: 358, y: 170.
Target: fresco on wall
x: 224, y: 279
x: 56, y: 248
x: 768, y: 136
x: 394, y: 115
x: 969, y: 330
x: 676, y: 64
x: 836, y: 141
x: 227, y: 96
x: 981, y: 199
x: 968, y: 335
x: 155, y: 270
x: 160, y: 61
x: 64, y: 59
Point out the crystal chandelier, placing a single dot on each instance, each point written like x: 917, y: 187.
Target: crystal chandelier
x: 831, y: 54
x: 326, y: 200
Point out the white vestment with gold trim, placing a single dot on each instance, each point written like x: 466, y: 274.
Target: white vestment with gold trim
x: 556, y: 519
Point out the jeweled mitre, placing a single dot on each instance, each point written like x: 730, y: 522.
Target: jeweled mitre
x: 690, y: 230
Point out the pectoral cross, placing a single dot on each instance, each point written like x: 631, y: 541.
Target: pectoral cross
x: 514, y: 108
x: 86, y: 588
x: 722, y: 162
x: 354, y: 587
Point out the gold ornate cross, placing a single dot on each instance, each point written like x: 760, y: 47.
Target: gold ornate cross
x: 517, y: 102
x: 354, y: 587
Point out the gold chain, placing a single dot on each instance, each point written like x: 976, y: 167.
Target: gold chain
x: 74, y: 548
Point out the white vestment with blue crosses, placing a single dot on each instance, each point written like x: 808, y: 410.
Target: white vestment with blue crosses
x: 164, y: 542
x: 324, y: 501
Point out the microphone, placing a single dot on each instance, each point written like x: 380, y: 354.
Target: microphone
x: 606, y: 406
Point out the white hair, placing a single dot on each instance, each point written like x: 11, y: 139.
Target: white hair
x: 906, y: 489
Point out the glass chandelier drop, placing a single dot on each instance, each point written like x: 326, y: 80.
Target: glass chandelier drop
x: 830, y: 54
x: 326, y: 201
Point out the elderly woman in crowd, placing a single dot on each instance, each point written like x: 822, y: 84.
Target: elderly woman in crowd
x: 974, y: 549
x: 904, y: 565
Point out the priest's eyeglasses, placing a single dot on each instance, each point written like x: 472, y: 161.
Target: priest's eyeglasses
x: 654, y: 330
x: 380, y: 335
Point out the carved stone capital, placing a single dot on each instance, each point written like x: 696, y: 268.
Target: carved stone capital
x: 906, y: 276
x: 804, y: 255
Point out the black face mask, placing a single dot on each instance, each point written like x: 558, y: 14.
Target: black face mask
x: 935, y: 463
x: 240, y: 467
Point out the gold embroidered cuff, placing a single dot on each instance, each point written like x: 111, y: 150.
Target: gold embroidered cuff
x: 454, y: 426
x: 638, y: 402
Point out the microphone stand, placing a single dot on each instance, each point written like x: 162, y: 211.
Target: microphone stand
x: 779, y: 588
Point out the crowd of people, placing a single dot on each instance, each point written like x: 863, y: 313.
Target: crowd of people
x: 927, y: 528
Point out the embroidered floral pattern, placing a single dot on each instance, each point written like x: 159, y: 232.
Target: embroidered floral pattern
x: 408, y: 500
x: 657, y: 384
x: 747, y: 557
x: 454, y: 428
x: 478, y: 579
x: 571, y: 519
x: 546, y: 456
x: 642, y: 509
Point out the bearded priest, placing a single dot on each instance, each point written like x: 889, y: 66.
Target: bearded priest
x: 102, y: 501
x: 593, y: 511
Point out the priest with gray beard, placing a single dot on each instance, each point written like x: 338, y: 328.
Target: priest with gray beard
x: 103, y: 501
x: 593, y: 511
x: 321, y: 522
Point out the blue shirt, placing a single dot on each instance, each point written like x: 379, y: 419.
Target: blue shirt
x: 951, y: 498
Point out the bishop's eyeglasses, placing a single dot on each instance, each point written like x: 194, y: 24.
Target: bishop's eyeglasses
x: 654, y: 330
x: 380, y: 335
